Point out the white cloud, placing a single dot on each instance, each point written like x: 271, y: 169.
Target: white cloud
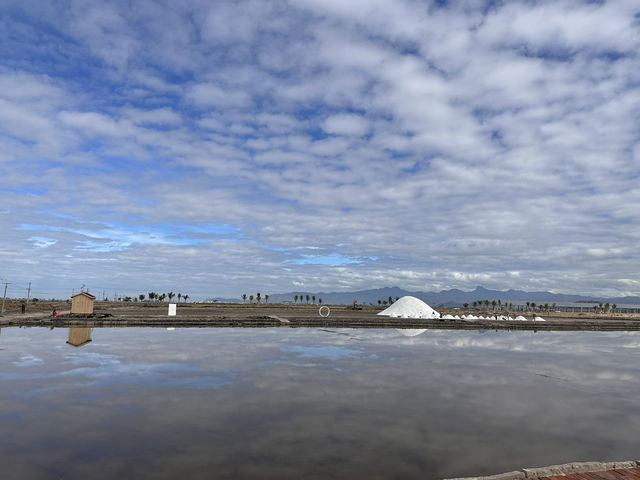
x: 345, y: 124
x: 441, y: 146
x: 42, y: 242
x: 212, y: 95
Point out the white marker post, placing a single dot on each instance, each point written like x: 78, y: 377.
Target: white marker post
x: 172, y: 310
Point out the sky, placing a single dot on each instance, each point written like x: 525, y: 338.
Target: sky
x: 220, y: 148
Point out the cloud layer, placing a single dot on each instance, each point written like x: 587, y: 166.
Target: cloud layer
x: 240, y: 146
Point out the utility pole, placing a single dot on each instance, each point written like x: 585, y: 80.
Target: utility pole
x: 4, y: 295
x: 29, y: 292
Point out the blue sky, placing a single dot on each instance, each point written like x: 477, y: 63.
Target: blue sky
x: 221, y: 148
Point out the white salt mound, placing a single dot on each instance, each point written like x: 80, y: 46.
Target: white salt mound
x: 539, y: 319
x: 520, y: 318
x: 410, y: 307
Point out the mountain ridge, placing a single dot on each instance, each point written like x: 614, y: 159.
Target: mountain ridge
x: 453, y: 297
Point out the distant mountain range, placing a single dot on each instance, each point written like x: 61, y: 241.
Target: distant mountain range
x: 449, y: 298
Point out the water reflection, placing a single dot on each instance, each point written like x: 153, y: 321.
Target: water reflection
x: 79, y: 336
x: 411, y: 332
x: 307, y: 403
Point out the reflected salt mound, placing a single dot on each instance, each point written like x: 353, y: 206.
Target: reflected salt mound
x: 411, y: 332
x: 410, y: 307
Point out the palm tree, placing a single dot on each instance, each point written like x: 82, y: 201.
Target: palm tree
x: 307, y: 297
x: 258, y: 297
x: 186, y: 297
x: 533, y: 306
x: 493, y: 304
x: 320, y: 301
x: 179, y: 297
x: 379, y: 302
x: 162, y: 297
x: 295, y: 299
x: 313, y: 298
x: 613, y: 307
x: 141, y: 297
x: 528, y: 305
x: 250, y: 298
x: 266, y: 299
x: 390, y: 300
x: 171, y: 295
x: 499, y: 304
x: 244, y: 297
x: 606, y: 307
x: 465, y: 305
x: 486, y: 304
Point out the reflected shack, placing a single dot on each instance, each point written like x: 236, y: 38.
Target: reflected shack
x: 79, y: 336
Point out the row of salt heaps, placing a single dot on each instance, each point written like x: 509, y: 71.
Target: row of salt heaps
x: 519, y: 318
x: 410, y: 307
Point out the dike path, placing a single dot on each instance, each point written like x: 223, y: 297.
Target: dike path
x: 115, y: 314
x: 572, y: 471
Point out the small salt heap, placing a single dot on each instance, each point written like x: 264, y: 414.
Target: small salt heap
x: 410, y: 307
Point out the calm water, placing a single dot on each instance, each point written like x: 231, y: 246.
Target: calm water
x: 311, y: 403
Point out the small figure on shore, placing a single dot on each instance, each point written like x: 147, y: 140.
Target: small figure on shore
x: 55, y: 314
x: 23, y: 307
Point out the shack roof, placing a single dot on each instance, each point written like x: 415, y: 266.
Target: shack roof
x: 86, y: 294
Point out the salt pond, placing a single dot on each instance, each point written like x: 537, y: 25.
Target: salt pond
x: 311, y: 403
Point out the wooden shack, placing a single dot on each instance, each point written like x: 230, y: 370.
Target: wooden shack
x: 82, y: 303
x: 79, y: 336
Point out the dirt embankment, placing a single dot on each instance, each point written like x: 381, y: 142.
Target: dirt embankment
x: 267, y: 315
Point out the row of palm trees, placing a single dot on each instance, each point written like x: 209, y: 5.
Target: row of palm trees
x: 308, y: 298
x: 388, y: 301
x: 160, y: 297
x: 258, y: 298
x: 494, y: 304
x: 606, y: 308
x: 533, y: 306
